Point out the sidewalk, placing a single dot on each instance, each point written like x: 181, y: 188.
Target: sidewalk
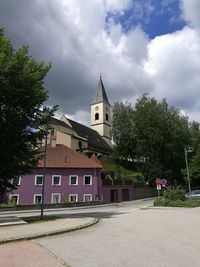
x: 42, y: 229
x: 57, y: 209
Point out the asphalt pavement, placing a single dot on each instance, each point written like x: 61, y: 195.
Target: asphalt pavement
x: 133, y: 236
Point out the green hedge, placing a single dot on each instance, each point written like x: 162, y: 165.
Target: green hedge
x: 164, y: 202
x: 175, y: 193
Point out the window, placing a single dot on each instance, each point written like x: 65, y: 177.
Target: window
x: 87, y: 197
x: 87, y: 180
x: 38, y: 180
x: 14, y: 199
x: 56, y: 180
x: 55, y: 198
x: 73, y: 180
x: 37, y: 199
x: 96, y: 116
x: 73, y: 198
x: 107, y: 116
x: 16, y: 181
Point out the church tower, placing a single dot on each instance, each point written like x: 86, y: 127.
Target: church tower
x: 101, y: 113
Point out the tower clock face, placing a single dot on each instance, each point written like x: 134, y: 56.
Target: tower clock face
x: 96, y: 108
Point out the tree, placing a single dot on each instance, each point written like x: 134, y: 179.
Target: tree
x: 153, y: 134
x: 194, y: 168
x: 21, y: 119
x: 123, y: 131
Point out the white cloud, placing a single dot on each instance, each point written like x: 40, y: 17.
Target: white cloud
x: 117, y: 6
x: 173, y: 65
x: 76, y: 36
x: 191, y: 11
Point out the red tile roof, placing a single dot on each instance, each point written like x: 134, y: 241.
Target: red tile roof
x: 94, y: 158
x: 62, y: 156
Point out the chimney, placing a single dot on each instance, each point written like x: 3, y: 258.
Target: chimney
x: 53, y: 138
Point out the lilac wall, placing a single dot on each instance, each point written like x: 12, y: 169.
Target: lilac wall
x: 27, y: 188
x: 106, y: 192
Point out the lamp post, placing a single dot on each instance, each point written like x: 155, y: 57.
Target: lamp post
x: 44, y: 166
x: 188, y: 150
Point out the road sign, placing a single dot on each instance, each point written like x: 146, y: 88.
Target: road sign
x: 163, y: 182
x: 158, y: 181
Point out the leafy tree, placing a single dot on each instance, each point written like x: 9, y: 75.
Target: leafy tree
x: 21, y: 97
x: 123, y: 131
x: 153, y: 135
x: 194, y: 168
x: 195, y: 134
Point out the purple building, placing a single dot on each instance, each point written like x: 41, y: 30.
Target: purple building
x: 70, y: 176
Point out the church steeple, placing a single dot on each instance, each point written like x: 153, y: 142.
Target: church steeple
x: 101, y: 95
x: 101, y: 114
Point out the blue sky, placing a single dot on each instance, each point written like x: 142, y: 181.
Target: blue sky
x: 155, y: 17
x: 139, y: 46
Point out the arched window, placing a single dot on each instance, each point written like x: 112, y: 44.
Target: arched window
x: 96, y: 116
x: 107, y: 116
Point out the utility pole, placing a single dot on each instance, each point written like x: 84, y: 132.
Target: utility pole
x: 188, y: 150
x: 44, y: 166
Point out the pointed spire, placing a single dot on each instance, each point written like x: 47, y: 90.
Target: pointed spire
x: 101, y: 94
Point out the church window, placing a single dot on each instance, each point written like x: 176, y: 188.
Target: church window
x: 96, y: 116
x: 107, y: 116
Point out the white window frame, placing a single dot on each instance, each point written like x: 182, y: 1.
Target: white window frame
x: 76, y: 195
x: 12, y: 181
x: 90, y: 195
x: 20, y: 179
x: 76, y: 180
x: 36, y: 180
x: 53, y: 180
x: 15, y: 195
x: 90, y: 180
x: 55, y: 194
x: 36, y: 195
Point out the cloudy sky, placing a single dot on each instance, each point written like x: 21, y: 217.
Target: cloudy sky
x: 138, y: 46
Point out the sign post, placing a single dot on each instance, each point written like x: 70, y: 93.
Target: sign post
x: 158, y: 188
x: 160, y: 183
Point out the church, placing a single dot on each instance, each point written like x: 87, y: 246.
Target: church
x: 95, y: 139
x: 71, y: 176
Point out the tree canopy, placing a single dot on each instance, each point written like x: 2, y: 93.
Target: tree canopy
x: 22, y: 95
x: 153, y: 135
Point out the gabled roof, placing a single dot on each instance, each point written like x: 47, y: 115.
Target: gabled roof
x: 55, y: 121
x: 62, y: 156
x: 94, y: 138
x: 101, y: 94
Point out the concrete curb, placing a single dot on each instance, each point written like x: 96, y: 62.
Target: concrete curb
x: 52, y: 233
x: 58, y: 209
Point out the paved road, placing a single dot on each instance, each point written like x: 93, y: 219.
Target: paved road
x: 31, y: 253
x: 129, y: 235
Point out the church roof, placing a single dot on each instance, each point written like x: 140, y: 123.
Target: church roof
x: 95, y: 141
x: 55, y: 121
x: 62, y: 156
x: 101, y: 94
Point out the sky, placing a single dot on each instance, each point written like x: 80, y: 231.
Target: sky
x: 138, y: 46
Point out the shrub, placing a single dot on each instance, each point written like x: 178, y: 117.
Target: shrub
x: 164, y: 202
x: 174, y: 193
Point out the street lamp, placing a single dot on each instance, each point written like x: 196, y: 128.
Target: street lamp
x: 188, y: 150
x: 46, y: 113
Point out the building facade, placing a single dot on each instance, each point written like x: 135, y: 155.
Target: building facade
x: 70, y: 176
